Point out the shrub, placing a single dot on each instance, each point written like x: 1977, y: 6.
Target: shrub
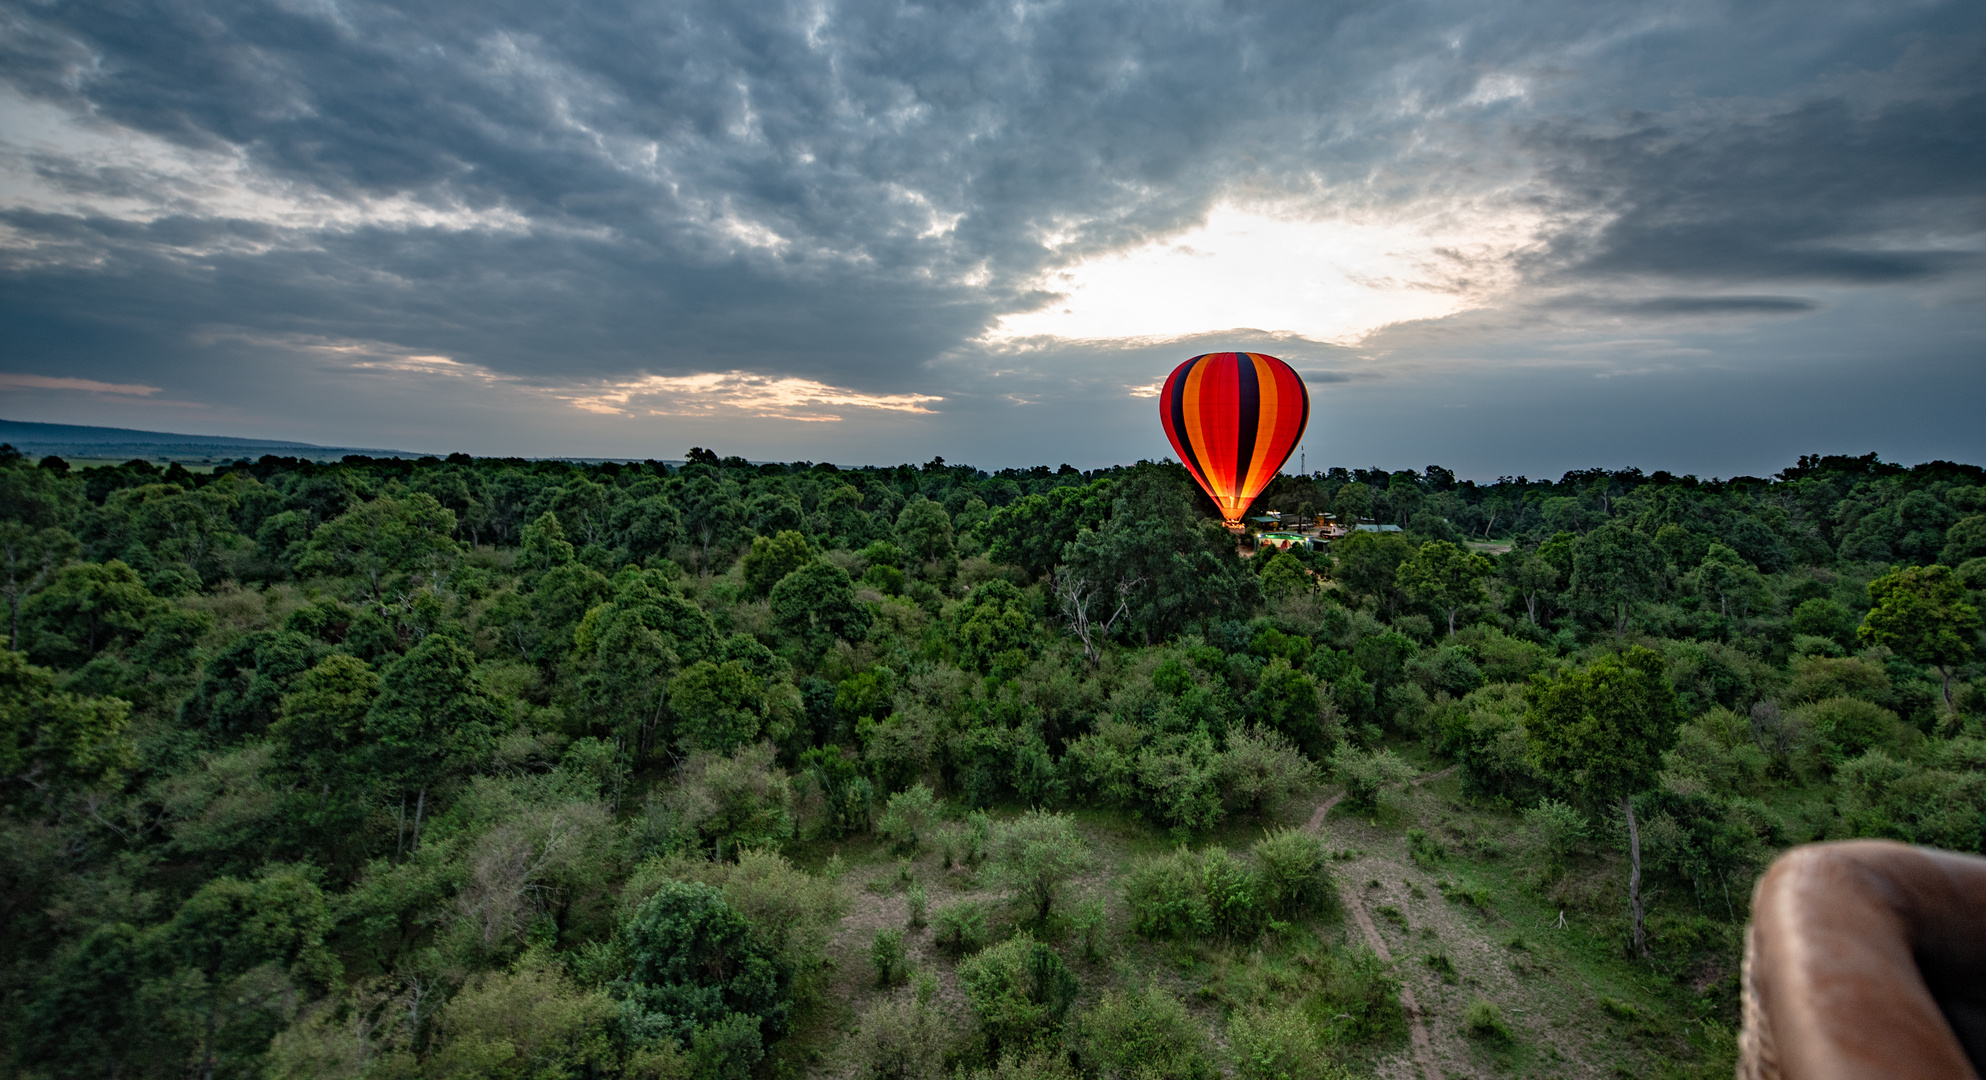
x: 791, y: 910
x: 961, y: 927
x: 1044, y: 1063
x: 1088, y: 923
x: 903, y: 1037
x: 886, y: 954
x: 1424, y: 849
x: 1145, y: 1034
x: 1442, y: 966
x: 1848, y: 727
x: 914, y: 903
x: 1555, y: 827
x: 907, y: 818
x: 1034, y: 854
x: 1019, y: 989
x: 1292, y: 874
x: 1484, y: 1021
x: 1229, y: 888
x: 1365, y: 774
x: 1262, y: 770
x: 527, y: 1022
x: 1279, y: 1043
x: 1165, y: 896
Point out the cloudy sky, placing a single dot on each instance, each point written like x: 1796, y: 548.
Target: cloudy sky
x: 1518, y: 237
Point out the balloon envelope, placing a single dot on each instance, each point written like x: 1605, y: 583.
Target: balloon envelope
x: 1234, y: 417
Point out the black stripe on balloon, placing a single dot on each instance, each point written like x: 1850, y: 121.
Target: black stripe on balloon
x: 1250, y: 417
x: 1177, y: 419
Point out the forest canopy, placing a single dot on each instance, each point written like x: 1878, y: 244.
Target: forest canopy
x: 468, y: 767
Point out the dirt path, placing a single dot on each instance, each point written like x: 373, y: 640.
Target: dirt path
x: 1423, y: 1046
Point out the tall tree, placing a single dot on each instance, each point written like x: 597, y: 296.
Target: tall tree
x: 29, y: 558
x: 1602, y: 730
x: 1445, y: 577
x: 1920, y: 611
x: 433, y: 719
x: 1614, y: 568
x: 382, y: 537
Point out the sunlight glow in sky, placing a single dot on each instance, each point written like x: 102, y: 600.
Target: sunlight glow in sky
x: 1333, y: 280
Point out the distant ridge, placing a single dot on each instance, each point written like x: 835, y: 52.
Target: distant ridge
x: 78, y: 441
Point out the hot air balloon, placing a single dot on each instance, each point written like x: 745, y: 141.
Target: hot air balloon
x: 1234, y: 417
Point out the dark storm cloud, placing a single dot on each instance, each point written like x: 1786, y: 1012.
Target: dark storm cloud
x: 1687, y: 306
x: 854, y: 192
x: 1864, y: 184
x: 879, y: 157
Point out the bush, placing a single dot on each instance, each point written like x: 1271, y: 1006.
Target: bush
x: 914, y: 903
x: 887, y: 956
x: 1229, y: 888
x: 1293, y: 879
x: 1365, y: 773
x: 961, y: 927
x: 1484, y: 1021
x: 963, y: 844
x: 1088, y: 923
x: 1279, y: 1043
x: 1020, y: 990
x: 907, y: 819
x: 1146, y: 1034
x: 903, y: 1037
x: 1442, y: 966
x: 1262, y: 770
x: 1166, y: 898
x: 527, y: 1022
x: 1034, y: 854
x: 1424, y: 849
x: 1555, y: 827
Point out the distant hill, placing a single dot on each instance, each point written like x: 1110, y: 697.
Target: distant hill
x: 123, y: 444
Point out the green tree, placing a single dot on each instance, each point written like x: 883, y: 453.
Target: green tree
x: 1367, y: 563
x: 89, y: 607
x: 1035, y: 854
x: 1444, y: 577
x: 387, y: 535
x: 773, y: 559
x: 1164, y: 563
x: 1725, y: 574
x: 1615, y: 568
x: 1285, y: 575
x: 631, y: 647
x: 718, y: 707
x: 1352, y: 504
x: 816, y: 604
x: 1531, y: 578
x: 240, y: 949
x: 1143, y: 1034
x: 993, y: 621
x: 692, y: 964
x: 1602, y: 729
x: 1031, y: 532
x: 323, y: 721
x: 924, y: 532
x: 527, y: 1023
x: 1020, y: 990
x: 544, y: 546
x: 433, y: 719
x: 1922, y: 613
x: 28, y: 561
x: 53, y: 742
